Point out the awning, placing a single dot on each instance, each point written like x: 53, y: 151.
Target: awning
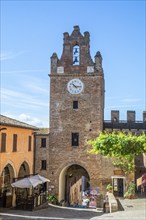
x: 144, y: 179
x: 29, y: 182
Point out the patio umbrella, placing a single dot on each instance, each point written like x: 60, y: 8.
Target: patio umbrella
x: 27, y: 182
x: 40, y: 178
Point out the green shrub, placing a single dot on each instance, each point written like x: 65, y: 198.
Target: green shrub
x: 52, y: 199
x: 109, y: 187
x: 130, y: 193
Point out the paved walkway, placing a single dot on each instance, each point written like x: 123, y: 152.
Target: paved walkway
x: 133, y: 210
x: 51, y: 213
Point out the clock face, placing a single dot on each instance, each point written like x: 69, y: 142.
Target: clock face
x: 75, y: 86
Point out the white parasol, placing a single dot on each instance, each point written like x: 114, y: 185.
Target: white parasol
x: 29, y: 182
x: 40, y: 178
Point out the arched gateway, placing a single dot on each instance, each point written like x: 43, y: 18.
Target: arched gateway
x: 74, y: 180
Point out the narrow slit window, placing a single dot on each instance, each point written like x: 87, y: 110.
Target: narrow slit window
x: 43, y: 142
x: 75, y: 139
x: 43, y: 165
x: 75, y: 104
x: 76, y: 55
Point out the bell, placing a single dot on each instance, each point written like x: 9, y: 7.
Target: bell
x: 76, y: 60
x: 76, y: 50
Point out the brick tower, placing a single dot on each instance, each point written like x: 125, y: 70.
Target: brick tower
x: 76, y: 115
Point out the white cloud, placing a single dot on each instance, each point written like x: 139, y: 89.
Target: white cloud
x: 10, y: 55
x: 128, y: 107
x: 130, y: 100
x: 30, y: 120
x: 121, y: 99
x: 27, y: 119
x: 27, y: 82
x: 37, y: 88
x: 22, y: 71
x: 20, y: 99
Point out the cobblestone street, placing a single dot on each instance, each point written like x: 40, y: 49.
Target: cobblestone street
x: 50, y: 213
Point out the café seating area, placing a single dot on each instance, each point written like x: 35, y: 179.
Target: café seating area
x: 31, y: 202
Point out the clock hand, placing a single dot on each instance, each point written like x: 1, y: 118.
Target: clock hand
x: 74, y: 85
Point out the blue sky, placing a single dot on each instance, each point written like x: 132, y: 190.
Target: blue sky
x: 32, y: 30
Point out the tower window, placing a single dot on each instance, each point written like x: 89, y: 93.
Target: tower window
x: 43, y: 164
x: 43, y: 142
x: 76, y: 55
x: 75, y: 139
x: 75, y: 104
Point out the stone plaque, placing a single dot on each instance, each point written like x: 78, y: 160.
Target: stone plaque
x: 60, y: 69
x: 90, y: 69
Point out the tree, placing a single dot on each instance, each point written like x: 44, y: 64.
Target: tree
x: 120, y: 147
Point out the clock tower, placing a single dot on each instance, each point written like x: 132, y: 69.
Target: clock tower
x: 76, y: 115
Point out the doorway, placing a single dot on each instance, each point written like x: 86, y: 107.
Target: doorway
x: 118, y: 186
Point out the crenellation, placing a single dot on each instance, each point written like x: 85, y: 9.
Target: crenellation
x: 131, y: 116
x: 144, y: 116
x: 115, y: 116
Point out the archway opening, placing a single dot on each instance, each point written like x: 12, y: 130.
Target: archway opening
x: 24, y: 170
x: 74, y: 181
x: 7, y: 178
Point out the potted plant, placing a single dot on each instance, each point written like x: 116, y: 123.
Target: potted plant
x: 130, y: 193
x: 109, y: 188
x: 52, y: 199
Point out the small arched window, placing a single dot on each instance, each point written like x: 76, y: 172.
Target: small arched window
x: 76, y: 55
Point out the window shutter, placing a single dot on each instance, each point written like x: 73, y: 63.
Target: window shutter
x: 3, y: 142
x: 29, y: 143
x: 14, y: 142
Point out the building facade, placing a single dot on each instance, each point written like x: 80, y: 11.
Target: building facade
x: 16, y: 156
x: 41, y: 153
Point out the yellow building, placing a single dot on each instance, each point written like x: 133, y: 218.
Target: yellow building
x: 16, y: 155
